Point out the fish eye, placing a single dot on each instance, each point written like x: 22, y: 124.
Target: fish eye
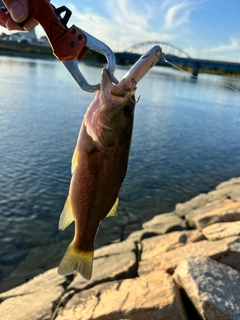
x: 127, y: 110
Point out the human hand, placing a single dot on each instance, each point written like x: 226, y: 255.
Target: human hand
x: 17, y: 12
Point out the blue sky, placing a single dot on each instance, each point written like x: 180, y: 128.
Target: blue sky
x: 203, y: 28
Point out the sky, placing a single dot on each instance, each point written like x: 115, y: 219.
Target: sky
x: 207, y: 29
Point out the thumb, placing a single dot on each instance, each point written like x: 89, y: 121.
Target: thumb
x: 18, y: 10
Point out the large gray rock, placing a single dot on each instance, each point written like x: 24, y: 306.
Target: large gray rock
x: 225, y: 211
x: 232, y: 258
x: 154, y: 296
x: 222, y: 230
x: 33, y: 300
x: 213, y: 288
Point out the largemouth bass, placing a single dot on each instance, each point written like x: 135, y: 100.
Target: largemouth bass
x: 99, y: 165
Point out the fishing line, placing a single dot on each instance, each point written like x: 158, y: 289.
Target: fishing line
x: 176, y: 67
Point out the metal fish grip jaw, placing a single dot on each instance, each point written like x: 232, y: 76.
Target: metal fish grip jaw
x: 69, y: 45
x: 97, y: 46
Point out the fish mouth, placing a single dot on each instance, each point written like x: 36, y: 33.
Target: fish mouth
x: 118, y: 93
x: 106, y: 80
x: 108, y: 87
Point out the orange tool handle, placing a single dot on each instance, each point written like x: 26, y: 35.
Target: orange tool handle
x: 67, y: 43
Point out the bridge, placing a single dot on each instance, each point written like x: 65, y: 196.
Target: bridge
x: 175, y: 56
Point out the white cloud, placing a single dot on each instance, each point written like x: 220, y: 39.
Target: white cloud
x: 120, y: 30
x: 178, y: 13
x: 125, y: 13
x: 123, y: 23
x: 232, y: 46
x: 228, y: 51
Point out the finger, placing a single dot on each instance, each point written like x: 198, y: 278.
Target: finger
x: 17, y: 9
x: 11, y: 25
x: 7, y: 22
x: 30, y: 24
x: 3, y: 18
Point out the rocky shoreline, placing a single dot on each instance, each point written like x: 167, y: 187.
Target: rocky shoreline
x: 181, y: 265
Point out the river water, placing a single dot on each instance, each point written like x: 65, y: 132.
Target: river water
x: 185, y: 141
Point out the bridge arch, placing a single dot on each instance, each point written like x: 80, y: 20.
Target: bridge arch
x: 167, y: 48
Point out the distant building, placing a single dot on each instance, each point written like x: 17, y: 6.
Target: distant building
x: 25, y: 37
x: 43, y: 41
x: 28, y: 37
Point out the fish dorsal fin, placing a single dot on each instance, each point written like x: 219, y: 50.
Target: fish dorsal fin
x: 74, y: 160
x: 66, y: 217
x: 113, y: 211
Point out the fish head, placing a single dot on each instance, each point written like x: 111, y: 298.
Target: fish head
x: 115, y: 113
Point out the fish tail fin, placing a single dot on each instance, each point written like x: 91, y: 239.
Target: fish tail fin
x: 76, y: 260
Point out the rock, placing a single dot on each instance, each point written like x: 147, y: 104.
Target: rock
x: 169, y: 260
x: 153, y: 296
x: 232, y: 183
x: 113, y: 262
x: 183, y: 208
x: 227, y: 210
x: 133, y: 279
x: 225, y: 191
x: 164, y: 223
x: 233, y: 257
x: 213, y: 288
x: 203, y: 202
x: 160, y: 224
x: 222, y: 230
x: 167, y: 242
x: 109, y: 268
x: 139, y: 235
x: 230, y: 189
x: 115, y: 248
x: 34, y: 299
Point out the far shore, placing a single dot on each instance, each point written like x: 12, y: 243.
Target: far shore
x: 30, y: 55
x: 45, y: 53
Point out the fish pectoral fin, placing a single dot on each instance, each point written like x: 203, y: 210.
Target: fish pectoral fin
x: 74, y: 159
x: 66, y: 217
x: 113, y: 211
x: 76, y: 260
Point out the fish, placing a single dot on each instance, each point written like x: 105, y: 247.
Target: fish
x: 99, y: 163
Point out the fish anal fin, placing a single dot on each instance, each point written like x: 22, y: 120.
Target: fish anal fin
x: 76, y: 260
x: 113, y: 211
x: 66, y: 217
x: 74, y: 160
